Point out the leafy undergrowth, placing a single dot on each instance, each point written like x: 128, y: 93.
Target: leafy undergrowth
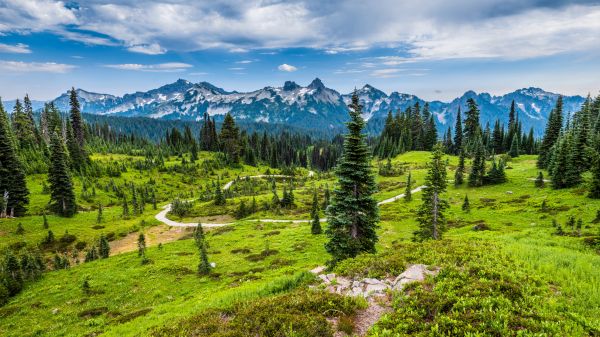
x: 480, y: 291
x: 299, y: 313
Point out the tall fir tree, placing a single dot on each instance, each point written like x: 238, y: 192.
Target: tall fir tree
x: 314, y: 212
x: 431, y: 218
x: 12, y: 175
x: 62, y: 196
x: 230, y: 140
x: 459, y: 174
x: 551, y: 135
x: 562, y: 168
x: 353, y: 213
x: 408, y: 189
x: 458, y: 133
x: 204, y: 266
x: 472, y: 129
x: 477, y: 174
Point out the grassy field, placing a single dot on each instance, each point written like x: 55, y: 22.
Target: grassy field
x: 505, y: 245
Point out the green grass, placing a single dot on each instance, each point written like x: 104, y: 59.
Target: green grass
x: 556, y: 277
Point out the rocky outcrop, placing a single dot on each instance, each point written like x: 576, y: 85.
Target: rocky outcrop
x: 368, y: 287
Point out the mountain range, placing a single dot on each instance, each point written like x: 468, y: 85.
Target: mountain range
x: 311, y: 107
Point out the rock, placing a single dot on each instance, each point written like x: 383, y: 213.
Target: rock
x: 509, y: 192
x: 213, y: 265
x: 54, y: 311
x: 414, y: 273
x: 330, y: 277
x: 355, y: 284
x: 318, y: 270
x: 343, y: 282
x: 324, y: 279
x: 371, y: 281
x: 375, y: 288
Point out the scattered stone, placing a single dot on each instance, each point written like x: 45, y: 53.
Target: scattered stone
x: 369, y: 287
x: 54, y: 311
x: 509, y: 192
x: 318, y: 270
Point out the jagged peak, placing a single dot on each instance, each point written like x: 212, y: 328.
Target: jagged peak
x: 316, y: 84
x: 290, y: 85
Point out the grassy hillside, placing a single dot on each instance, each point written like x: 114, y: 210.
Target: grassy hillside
x: 504, y: 269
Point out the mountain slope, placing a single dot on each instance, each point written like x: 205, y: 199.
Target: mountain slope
x: 314, y: 106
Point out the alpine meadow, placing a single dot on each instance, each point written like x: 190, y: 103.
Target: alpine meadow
x: 140, y: 198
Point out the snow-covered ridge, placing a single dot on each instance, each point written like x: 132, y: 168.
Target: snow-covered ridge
x: 311, y: 106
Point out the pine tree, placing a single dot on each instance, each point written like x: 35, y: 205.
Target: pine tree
x: 45, y: 224
x: 99, y: 217
x: 22, y: 126
x: 460, y: 170
x: 478, y: 166
x: 458, y: 133
x: 514, y: 147
x: 12, y: 176
x: 125, y: 208
x: 472, y: 130
x: 230, y: 139
x: 103, y: 247
x: 204, y: 266
x: 141, y: 243
x: 62, y: 196
x: 76, y: 141
x: 219, y: 197
x: 353, y: 213
x: 432, y: 222
x: 562, y: 169
x: 314, y: 212
x: 466, y: 207
x: 594, y: 192
x: 552, y: 133
x: 408, y: 189
x: 539, y: 181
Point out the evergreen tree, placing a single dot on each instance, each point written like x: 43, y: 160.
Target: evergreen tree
x: 204, y: 266
x: 514, y: 148
x: 353, y: 213
x: 62, y: 196
x: 45, y: 224
x: 478, y: 166
x: 99, y: 216
x: 408, y: 189
x: 125, y: 208
x: 466, y: 207
x: 458, y: 133
x: 326, y: 197
x: 230, y: 139
x: 594, y: 192
x: 141, y: 243
x: 460, y: 170
x: 12, y: 176
x: 539, y: 181
x: 552, y: 133
x: 432, y: 222
x: 76, y: 150
x: 23, y: 126
x: 219, y: 197
x: 103, y: 247
x: 563, y: 171
x: 314, y: 212
x: 472, y: 130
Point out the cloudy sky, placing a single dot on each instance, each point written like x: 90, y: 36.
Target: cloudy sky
x: 436, y: 49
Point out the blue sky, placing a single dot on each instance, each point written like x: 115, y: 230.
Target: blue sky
x: 435, y: 49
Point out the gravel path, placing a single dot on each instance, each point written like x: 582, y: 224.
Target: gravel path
x: 162, y: 215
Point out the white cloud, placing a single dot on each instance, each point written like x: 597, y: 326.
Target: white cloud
x: 244, y: 62
x: 160, y: 67
x: 18, y: 48
x: 432, y: 30
x: 148, y: 49
x: 287, y: 67
x: 42, y: 67
x: 386, y: 73
x: 237, y: 68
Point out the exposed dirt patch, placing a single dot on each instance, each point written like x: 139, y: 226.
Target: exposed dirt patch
x: 365, y: 319
x: 154, y: 236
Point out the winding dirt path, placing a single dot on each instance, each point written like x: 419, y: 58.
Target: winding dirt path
x: 162, y: 215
